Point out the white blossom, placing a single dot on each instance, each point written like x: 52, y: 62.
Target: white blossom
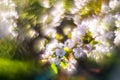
x: 79, y: 4
x: 71, y: 68
x: 117, y: 37
x: 67, y: 30
x: 69, y: 43
x: 109, y: 35
x: 58, y: 8
x: 52, y: 45
x: 60, y: 52
x: 78, y: 52
x: 55, y: 61
x: 50, y: 32
x: 117, y: 23
x: 8, y: 14
x: 45, y: 3
x: 72, y: 65
x: 47, y: 54
x: 117, y: 41
x: 108, y: 22
x: 105, y: 8
x: 114, y: 4
x: 39, y: 45
x: 78, y: 32
x: 103, y: 28
x: 101, y: 48
x: 117, y: 33
x: 88, y: 47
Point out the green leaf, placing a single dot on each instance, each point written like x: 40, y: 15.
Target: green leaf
x: 93, y: 7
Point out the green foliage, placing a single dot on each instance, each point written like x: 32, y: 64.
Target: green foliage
x: 11, y: 49
x: 68, y: 4
x: 51, y: 1
x: 87, y: 38
x: 29, y: 11
x: 16, y: 62
x: 7, y: 48
x: 17, y: 70
x: 24, y: 52
x: 8, y: 65
x: 93, y: 7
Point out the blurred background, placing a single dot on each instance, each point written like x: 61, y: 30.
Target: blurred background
x: 24, y: 31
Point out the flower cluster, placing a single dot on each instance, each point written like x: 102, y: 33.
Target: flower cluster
x: 8, y: 14
x: 94, y: 36
x: 67, y: 30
